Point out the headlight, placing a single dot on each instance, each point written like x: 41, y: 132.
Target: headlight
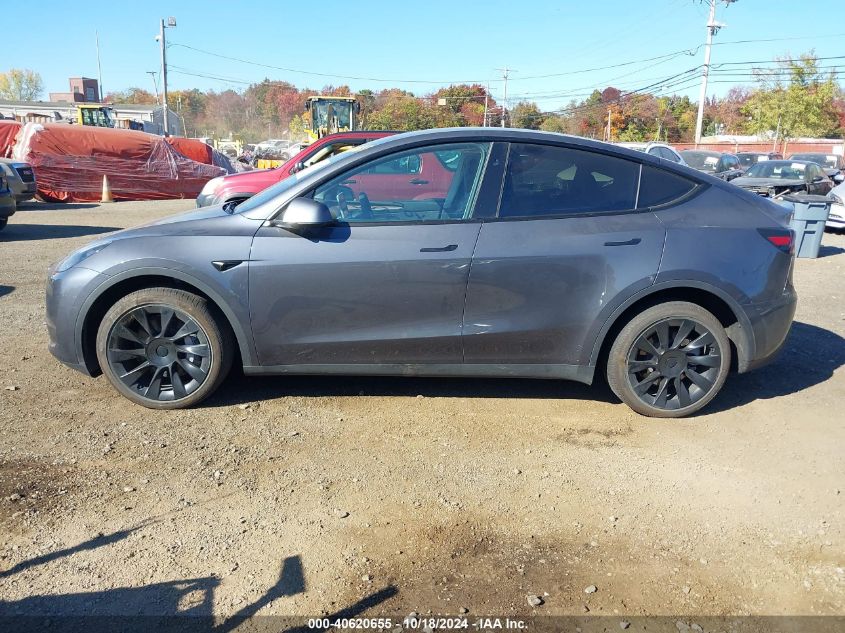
x: 79, y: 256
x: 211, y: 186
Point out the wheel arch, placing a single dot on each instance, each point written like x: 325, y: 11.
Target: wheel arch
x: 717, y: 301
x: 98, y: 303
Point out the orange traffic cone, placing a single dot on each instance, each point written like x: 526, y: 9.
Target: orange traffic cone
x: 107, y: 197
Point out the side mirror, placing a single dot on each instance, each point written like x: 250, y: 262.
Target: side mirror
x: 298, y: 167
x: 306, y: 213
x: 839, y: 178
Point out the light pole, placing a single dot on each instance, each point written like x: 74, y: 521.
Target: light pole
x: 712, y: 28
x: 171, y: 23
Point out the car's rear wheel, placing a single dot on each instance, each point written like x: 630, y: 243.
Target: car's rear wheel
x: 670, y: 360
x: 163, y: 348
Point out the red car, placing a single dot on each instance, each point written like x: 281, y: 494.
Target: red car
x: 239, y: 187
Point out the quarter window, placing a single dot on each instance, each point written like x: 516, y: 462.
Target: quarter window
x: 658, y: 186
x: 543, y: 180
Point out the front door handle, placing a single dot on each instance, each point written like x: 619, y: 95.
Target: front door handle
x: 632, y: 242
x: 439, y: 249
x: 418, y: 181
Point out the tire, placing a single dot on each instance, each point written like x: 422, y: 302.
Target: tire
x: 164, y: 348
x: 661, y: 375
x: 3, y: 223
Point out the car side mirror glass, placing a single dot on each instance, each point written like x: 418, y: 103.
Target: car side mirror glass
x: 838, y: 178
x: 298, y: 167
x: 305, y: 212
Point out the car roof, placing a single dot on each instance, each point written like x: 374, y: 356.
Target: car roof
x: 788, y: 161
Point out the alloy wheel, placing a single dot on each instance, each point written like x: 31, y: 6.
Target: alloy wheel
x: 159, y: 352
x: 674, y: 363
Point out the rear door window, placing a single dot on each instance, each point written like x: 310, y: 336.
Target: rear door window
x: 547, y: 180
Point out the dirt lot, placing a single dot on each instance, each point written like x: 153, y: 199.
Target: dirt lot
x: 385, y: 496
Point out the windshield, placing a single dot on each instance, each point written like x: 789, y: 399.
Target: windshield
x: 332, y: 115
x: 781, y: 169
x: 746, y: 160
x: 703, y: 161
x: 283, y: 185
x: 821, y: 159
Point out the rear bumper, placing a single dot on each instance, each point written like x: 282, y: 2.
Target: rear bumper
x: 771, y: 323
x: 836, y: 219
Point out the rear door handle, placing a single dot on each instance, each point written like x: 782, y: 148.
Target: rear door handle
x: 439, y: 249
x: 418, y: 181
x: 632, y: 242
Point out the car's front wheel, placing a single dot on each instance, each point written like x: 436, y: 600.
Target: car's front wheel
x: 670, y: 360
x: 163, y: 348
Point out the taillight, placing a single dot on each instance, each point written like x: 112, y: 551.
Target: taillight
x: 781, y: 239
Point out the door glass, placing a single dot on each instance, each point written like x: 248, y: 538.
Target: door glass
x: 433, y: 183
x: 547, y: 180
x: 658, y: 186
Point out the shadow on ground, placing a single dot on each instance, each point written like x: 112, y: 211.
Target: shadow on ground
x: 27, y: 232
x: 827, y: 251
x: 6, y: 290
x: 178, y: 605
x: 809, y: 357
x: 55, y: 206
x: 239, y: 389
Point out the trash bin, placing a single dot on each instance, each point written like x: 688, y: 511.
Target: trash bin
x: 808, y: 219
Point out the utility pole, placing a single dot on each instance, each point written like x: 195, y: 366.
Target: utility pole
x: 486, y: 96
x: 99, y: 70
x: 153, y: 73
x: 607, y: 133
x: 171, y: 22
x: 505, y: 72
x: 712, y: 28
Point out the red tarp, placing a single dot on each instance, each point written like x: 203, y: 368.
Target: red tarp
x: 71, y: 160
x: 8, y: 131
x: 193, y: 149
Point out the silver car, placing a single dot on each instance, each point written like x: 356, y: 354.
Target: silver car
x: 458, y: 252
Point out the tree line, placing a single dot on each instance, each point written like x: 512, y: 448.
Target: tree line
x: 798, y: 97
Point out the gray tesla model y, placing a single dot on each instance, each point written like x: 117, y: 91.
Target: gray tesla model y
x: 458, y: 252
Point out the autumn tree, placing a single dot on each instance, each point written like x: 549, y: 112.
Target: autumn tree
x: 131, y: 95
x: 21, y: 85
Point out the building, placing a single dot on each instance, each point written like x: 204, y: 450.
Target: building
x: 82, y: 89
x: 148, y: 117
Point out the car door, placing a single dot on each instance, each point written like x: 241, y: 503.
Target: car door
x: 384, y: 285
x: 568, y: 245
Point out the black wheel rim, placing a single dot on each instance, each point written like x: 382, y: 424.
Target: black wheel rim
x: 159, y: 352
x: 674, y: 363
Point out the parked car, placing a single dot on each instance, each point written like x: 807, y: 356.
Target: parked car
x: 235, y: 188
x: 832, y: 164
x: 775, y: 178
x: 836, y: 219
x: 719, y: 164
x: 7, y: 203
x: 746, y: 159
x: 548, y: 257
x: 661, y: 150
x: 20, y: 178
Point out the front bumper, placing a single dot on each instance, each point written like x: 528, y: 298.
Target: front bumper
x: 66, y: 293
x: 205, y: 199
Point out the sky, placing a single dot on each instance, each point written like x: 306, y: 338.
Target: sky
x: 557, y: 50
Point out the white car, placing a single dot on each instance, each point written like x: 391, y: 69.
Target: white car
x: 661, y: 150
x: 836, y: 219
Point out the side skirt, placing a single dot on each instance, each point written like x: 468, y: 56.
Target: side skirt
x: 577, y: 373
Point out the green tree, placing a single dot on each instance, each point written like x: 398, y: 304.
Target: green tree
x: 526, y: 114
x: 803, y: 105
x: 21, y: 85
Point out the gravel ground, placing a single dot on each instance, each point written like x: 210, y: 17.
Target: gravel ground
x: 385, y: 496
